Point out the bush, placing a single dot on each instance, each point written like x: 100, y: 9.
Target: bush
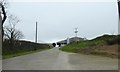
x: 112, y: 41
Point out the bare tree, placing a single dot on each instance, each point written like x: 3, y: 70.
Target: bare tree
x: 3, y: 4
x: 10, y: 32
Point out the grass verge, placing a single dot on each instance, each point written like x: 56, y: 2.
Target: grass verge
x: 6, y: 56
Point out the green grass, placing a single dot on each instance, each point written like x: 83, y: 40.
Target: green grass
x: 89, y: 46
x: 98, y: 41
x: 6, y: 56
x: 84, y: 44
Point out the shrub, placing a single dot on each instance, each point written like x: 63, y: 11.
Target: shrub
x: 112, y: 41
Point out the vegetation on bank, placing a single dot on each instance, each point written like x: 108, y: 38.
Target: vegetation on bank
x: 22, y: 48
x: 6, y: 56
x: 93, y: 46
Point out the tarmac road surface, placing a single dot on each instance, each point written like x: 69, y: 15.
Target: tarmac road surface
x: 54, y: 59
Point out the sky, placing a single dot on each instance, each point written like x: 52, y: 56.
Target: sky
x: 63, y: 0
x: 58, y: 18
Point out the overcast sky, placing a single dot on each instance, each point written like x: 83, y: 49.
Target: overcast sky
x: 57, y: 18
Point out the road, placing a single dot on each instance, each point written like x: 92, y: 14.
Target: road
x: 54, y: 59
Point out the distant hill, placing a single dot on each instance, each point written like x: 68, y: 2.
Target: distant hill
x: 71, y: 40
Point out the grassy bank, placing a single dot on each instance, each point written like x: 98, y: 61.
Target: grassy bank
x: 106, y: 45
x: 6, y: 56
x: 74, y: 47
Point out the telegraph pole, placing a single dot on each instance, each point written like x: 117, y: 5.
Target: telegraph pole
x: 36, y: 37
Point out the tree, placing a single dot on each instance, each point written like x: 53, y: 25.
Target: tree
x: 54, y: 44
x: 59, y: 44
x: 10, y: 32
x: 3, y: 4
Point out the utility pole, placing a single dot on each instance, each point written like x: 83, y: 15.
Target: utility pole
x: 76, y: 31
x: 36, y: 37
